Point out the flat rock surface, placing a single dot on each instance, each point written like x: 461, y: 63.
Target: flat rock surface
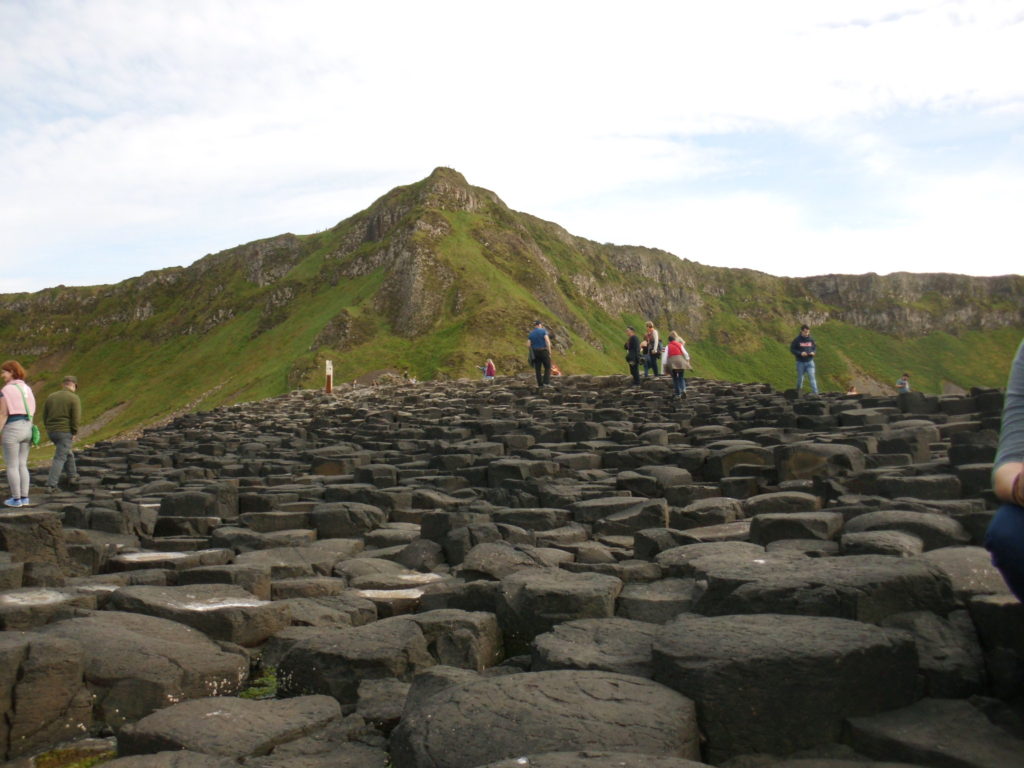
x: 136, y: 664
x: 480, y: 722
x: 943, y: 732
x: 228, y: 727
x: 770, y: 683
x: 595, y: 759
x: 611, y: 645
x: 222, y: 611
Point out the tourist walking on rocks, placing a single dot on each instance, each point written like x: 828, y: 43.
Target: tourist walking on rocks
x: 539, y: 342
x: 487, y: 369
x: 1005, y: 536
x: 678, y: 361
x: 903, y: 383
x: 17, y: 404
x: 652, y: 345
x: 804, y: 349
x: 632, y: 347
x: 62, y: 413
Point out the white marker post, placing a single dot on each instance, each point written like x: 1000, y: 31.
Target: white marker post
x: 330, y: 378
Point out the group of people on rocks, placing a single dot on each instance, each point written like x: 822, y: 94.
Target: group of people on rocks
x: 62, y: 415
x: 654, y: 356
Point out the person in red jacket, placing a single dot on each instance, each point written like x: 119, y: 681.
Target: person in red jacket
x: 678, y: 361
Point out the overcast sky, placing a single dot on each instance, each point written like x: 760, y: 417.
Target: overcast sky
x: 796, y: 138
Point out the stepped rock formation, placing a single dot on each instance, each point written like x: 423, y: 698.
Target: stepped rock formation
x: 439, y: 275
x: 466, y: 574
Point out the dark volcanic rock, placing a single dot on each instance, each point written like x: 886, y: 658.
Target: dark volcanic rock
x: 466, y: 725
x: 403, y: 547
x: 227, y: 726
x: 222, y: 611
x: 135, y: 664
x: 935, y: 732
x: 740, y: 672
x: 43, y: 697
x: 334, y: 661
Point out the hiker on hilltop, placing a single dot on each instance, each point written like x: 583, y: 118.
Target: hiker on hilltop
x: 1005, y: 536
x: 678, y: 361
x: 803, y: 349
x: 62, y: 413
x: 632, y: 347
x: 539, y: 343
x: 17, y: 404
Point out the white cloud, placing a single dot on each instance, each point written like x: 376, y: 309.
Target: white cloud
x: 170, y: 129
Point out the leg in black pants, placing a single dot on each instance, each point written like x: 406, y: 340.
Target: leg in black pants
x: 634, y: 369
x: 542, y: 359
x: 678, y: 382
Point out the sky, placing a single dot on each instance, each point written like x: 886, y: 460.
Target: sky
x: 795, y: 138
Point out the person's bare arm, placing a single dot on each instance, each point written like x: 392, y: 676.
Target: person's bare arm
x: 1008, y: 483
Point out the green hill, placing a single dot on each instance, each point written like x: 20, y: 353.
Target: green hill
x: 436, y: 276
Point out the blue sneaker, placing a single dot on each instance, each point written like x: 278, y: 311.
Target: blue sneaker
x: 25, y: 502
x: 12, y: 503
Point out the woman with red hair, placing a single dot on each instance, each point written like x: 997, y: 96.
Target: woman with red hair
x: 17, y: 404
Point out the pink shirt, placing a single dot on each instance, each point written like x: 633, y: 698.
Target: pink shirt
x: 11, y: 395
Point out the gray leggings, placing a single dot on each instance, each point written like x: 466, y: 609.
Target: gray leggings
x: 16, y: 438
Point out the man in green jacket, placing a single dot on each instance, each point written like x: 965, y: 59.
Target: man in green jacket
x: 61, y: 414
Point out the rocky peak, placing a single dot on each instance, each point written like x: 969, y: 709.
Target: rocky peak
x: 447, y: 190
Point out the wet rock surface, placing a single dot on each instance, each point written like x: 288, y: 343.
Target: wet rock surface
x: 464, y: 575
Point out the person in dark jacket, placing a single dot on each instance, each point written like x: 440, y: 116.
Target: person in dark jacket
x: 62, y: 413
x: 632, y: 347
x: 804, y: 349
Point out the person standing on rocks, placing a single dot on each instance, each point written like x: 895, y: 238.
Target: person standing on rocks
x: 1005, y: 536
x: 804, y: 349
x: 62, y: 413
x: 17, y: 404
x: 678, y: 361
x: 903, y: 383
x: 632, y: 347
x: 652, y: 359
x: 539, y: 342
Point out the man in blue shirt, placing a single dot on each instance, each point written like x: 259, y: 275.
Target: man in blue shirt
x: 539, y: 343
x: 803, y: 349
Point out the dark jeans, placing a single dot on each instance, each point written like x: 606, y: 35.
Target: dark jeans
x: 634, y: 370
x: 63, y: 457
x: 1005, y: 540
x: 650, y: 364
x: 679, y: 380
x: 542, y: 359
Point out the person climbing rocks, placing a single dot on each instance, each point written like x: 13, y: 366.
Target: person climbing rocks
x: 539, y: 343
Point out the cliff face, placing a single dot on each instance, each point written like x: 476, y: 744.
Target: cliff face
x: 437, y: 273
